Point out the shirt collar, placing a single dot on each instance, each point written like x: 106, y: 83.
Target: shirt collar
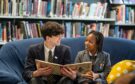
x: 92, y: 55
x: 47, y: 49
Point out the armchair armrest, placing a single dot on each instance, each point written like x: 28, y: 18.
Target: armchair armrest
x: 7, y: 78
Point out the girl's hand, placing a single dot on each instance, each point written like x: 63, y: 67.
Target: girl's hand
x: 88, y: 75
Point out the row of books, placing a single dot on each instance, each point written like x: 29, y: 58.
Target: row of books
x: 10, y: 31
x: 122, y: 32
x: 123, y: 14
x: 93, y: 10
x: 78, y: 29
x: 122, y: 1
x: 53, y: 8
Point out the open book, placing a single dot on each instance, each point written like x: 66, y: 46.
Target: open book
x: 80, y: 67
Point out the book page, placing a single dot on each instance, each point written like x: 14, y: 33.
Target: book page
x: 54, y: 66
x: 80, y: 67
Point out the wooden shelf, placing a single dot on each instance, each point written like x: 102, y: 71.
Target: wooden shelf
x: 123, y: 24
x: 95, y: 19
x: 57, y: 18
x: 11, y: 17
x: 2, y: 43
x: 123, y: 4
x: 48, y: 18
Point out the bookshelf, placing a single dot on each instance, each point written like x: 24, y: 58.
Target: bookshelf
x: 124, y: 12
x: 29, y: 15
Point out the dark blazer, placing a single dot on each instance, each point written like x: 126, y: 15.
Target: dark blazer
x: 102, y: 64
x: 62, y: 56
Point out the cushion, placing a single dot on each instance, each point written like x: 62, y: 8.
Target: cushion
x: 126, y: 79
x: 7, y: 78
x: 119, y: 69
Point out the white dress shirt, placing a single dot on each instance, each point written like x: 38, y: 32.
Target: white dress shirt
x: 46, y: 52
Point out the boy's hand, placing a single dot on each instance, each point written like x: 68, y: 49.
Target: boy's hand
x: 42, y: 72
x: 68, y: 72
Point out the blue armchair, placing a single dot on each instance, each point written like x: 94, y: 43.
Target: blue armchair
x: 13, y: 54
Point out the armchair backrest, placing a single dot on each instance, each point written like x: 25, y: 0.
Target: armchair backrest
x: 13, y: 54
x: 119, y: 49
x: 75, y: 44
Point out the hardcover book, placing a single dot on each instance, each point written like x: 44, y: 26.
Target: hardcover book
x: 80, y: 67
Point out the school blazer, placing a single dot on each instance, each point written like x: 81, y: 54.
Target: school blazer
x: 102, y: 65
x: 61, y: 56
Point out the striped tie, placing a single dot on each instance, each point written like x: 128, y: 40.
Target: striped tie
x: 50, y: 59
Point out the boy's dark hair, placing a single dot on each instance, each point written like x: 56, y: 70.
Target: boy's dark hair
x: 99, y: 39
x: 51, y: 28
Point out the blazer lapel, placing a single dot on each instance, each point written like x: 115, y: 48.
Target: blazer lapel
x: 86, y: 56
x: 98, y: 58
x: 41, y: 52
x: 56, y: 55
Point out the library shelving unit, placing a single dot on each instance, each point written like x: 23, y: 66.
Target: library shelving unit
x: 22, y: 19
x: 124, y: 12
x: 15, y: 18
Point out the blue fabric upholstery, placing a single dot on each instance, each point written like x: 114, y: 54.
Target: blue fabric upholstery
x: 12, y: 58
x: 76, y: 44
x: 9, y: 77
x: 119, y: 49
x: 13, y: 54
